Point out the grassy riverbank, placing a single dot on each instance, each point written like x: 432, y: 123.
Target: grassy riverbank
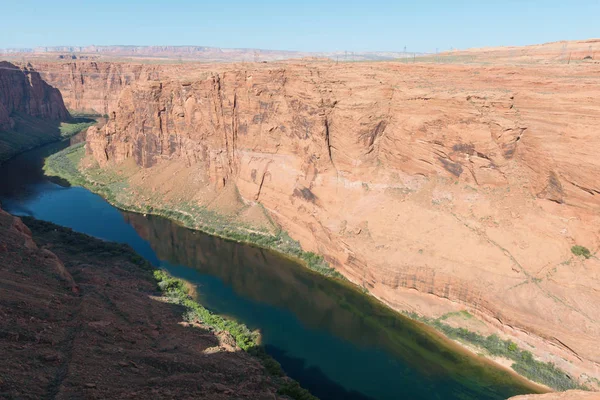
x: 30, y: 132
x: 523, y: 362
x: 115, y: 189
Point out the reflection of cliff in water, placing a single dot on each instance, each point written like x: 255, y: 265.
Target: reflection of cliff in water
x: 268, y: 278
x: 319, y: 303
x: 316, y: 377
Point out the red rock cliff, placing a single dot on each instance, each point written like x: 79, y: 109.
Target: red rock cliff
x: 22, y: 90
x: 94, y: 87
x: 421, y: 182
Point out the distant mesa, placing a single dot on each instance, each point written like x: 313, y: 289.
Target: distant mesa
x: 201, y: 53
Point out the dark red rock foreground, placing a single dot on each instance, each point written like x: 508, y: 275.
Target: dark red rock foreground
x: 79, y: 318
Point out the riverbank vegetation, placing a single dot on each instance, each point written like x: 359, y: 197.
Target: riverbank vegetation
x: 523, y: 361
x: 115, y: 189
x: 68, y: 129
x: 176, y: 292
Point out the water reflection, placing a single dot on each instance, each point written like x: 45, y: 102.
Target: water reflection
x: 21, y: 174
x: 308, y: 320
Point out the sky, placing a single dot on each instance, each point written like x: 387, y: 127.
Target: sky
x: 309, y: 25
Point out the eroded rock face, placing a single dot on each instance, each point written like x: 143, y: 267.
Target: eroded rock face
x: 94, y: 87
x: 420, y: 182
x: 22, y: 90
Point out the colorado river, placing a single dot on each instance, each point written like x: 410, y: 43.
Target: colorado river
x: 336, y: 341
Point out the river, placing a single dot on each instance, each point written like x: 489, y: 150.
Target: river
x: 336, y: 341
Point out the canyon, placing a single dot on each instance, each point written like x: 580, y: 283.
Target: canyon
x: 436, y: 186
x: 82, y: 317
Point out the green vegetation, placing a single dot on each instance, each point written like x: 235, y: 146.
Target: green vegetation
x: 524, y: 363
x: 581, y: 251
x: 31, y: 132
x: 64, y: 164
x: 68, y: 129
x: 116, y: 191
x: 83, y: 114
x: 175, y: 290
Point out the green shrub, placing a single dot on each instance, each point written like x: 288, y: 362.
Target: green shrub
x: 546, y: 373
x: 175, y: 290
x: 581, y: 251
x: 68, y: 129
x: 270, y: 364
x: 524, y: 363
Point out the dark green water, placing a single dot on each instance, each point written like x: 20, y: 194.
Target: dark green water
x: 335, y: 341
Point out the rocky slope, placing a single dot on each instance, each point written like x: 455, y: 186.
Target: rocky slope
x: 436, y: 187
x: 81, y: 318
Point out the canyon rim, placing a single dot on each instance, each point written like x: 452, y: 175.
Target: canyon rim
x: 461, y: 187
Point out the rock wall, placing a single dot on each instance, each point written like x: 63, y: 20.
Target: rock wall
x: 420, y: 182
x: 94, y: 87
x: 22, y: 90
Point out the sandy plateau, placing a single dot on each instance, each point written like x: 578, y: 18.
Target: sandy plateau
x: 438, y: 186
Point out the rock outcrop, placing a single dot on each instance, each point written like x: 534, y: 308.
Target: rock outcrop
x: 22, y: 90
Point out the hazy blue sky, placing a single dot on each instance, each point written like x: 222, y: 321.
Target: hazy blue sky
x: 300, y: 25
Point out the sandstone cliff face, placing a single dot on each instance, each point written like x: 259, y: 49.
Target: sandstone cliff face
x: 419, y: 182
x: 22, y: 90
x: 94, y: 87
